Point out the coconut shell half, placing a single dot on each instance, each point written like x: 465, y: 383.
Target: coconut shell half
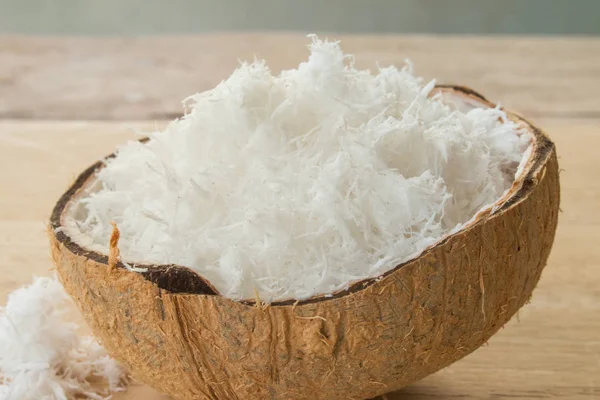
x: 175, y: 333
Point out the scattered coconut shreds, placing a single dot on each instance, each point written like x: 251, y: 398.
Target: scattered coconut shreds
x: 41, y: 355
x: 299, y: 184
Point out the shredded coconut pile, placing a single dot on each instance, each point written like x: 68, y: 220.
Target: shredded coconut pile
x: 41, y: 355
x: 298, y: 184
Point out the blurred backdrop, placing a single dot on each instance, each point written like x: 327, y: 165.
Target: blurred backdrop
x: 116, y: 17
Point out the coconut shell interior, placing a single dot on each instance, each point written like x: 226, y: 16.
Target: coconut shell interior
x: 174, y: 332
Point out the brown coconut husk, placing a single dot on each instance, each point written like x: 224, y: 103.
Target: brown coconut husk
x: 174, y: 332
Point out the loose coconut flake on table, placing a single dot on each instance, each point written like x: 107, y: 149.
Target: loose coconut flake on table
x: 299, y: 184
x: 42, y: 357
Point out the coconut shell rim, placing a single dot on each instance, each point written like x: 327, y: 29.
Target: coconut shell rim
x: 177, y: 279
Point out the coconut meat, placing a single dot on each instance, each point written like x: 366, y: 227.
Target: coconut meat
x: 299, y: 184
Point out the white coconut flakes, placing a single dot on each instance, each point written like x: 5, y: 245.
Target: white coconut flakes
x: 42, y: 355
x: 301, y: 183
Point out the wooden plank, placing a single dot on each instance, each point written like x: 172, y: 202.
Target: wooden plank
x: 146, y: 78
x: 552, y: 352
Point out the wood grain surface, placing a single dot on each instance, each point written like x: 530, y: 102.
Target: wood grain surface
x: 147, y: 78
x: 552, y: 350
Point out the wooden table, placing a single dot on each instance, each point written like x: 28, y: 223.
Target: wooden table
x: 68, y: 102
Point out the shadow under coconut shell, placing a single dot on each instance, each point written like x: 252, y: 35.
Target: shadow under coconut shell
x: 418, y: 391
x: 422, y: 391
